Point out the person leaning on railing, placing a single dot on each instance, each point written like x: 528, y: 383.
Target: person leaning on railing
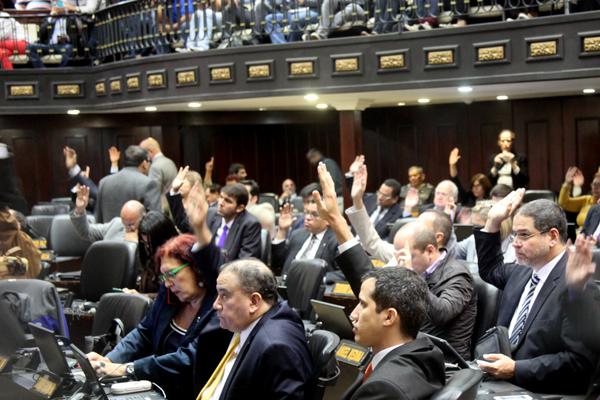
x: 13, y: 39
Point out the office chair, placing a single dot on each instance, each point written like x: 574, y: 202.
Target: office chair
x: 322, y: 346
x: 40, y: 225
x: 462, y: 386
x: 487, y: 308
x: 531, y: 195
x: 265, y: 246
x: 50, y: 209
x: 400, y: 222
x: 129, y: 308
x: 304, y: 282
x: 270, y: 198
x: 64, y: 239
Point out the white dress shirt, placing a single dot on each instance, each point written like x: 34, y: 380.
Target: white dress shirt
x: 313, y: 251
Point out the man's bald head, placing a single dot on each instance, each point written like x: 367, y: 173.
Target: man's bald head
x: 151, y: 146
x: 132, y: 213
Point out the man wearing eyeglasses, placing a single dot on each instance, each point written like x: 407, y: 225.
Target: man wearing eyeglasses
x: 383, y: 207
x: 546, y: 355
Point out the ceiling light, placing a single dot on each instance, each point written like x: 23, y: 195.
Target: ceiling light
x: 322, y: 106
x: 262, y: 109
x: 502, y: 97
x: 73, y: 112
x: 589, y: 91
x: 465, y: 89
x: 194, y: 104
x: 423, y: 100
x: 401, y: 104
x: 311, y: 97
x: 151, y: 108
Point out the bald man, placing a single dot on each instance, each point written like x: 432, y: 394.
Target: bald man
x: 163, y: 169
x: 124, y: 227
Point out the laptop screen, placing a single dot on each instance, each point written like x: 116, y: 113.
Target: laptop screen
x: 334, y: 318
x: 50, y: 349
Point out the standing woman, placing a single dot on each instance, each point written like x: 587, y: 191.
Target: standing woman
x: 508, y: 167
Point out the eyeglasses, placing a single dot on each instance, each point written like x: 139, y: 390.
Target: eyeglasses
x: 383, y: 196
x: 313, y: 214
x: 171, y: 274
x: 523, y: 237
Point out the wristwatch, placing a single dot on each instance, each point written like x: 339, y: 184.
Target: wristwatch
x: 130, y: 370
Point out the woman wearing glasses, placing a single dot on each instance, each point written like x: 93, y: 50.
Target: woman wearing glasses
x: 162, y: 347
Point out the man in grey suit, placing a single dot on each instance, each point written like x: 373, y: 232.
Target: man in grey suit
x: 163, y: 169
x: 130, y: 183
x: 124, y: 227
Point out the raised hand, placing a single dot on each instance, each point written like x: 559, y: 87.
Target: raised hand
x: 359, y: 186
x: 578, y: 178
x: 327, y: 206
x: 196, y: 207
x: 403, y: 256
x: 570, y: 175
x: 180, y: 178
x: 114, y: 155
x: 358, y: 161
x: 209, y: 166
x: 503, y: 209
x: 70, y: 157
x: 286, y: 217
x: 86, y: 172
x: 580, y: 266
x: 450, y: 208
x: 82, y: 200
x: 454, y: 156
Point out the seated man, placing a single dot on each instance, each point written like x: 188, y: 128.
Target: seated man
x: 452, y: 301
x: 343, y: 11
x: 416, y: 186
x: 53, y: 39
x: 547, y: 355
x: 383, y: 207
x: 124, y: 227
x: 315, y: 240
x: 299, y: 14
x: 392, y: 305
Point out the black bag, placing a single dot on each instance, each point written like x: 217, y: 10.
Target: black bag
x: 494, y: 340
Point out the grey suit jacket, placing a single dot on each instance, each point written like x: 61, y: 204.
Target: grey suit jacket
x: 163, y: 170
x: 127, y: 184
x: 113, y: 230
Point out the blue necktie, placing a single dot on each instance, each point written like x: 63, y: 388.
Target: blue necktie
x: 520, y: 324
x: 223, y: 237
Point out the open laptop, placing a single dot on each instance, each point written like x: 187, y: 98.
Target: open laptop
x: 450, y: 352
x: 334, y: 318
x: 51, y: 350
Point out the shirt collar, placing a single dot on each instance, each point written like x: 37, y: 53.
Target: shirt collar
x: 435, y: 265
x: 379, y: 356
x: 246, y: 332
x: 223, y: 223
x: 546, y: 270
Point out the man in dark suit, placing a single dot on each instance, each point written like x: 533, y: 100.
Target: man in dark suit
x: 236, y: 231
x: 383, y: 206
x: 130, y: 183
x: 547, y: 355
x: 315, y: 240
x: 315, y: 156
x: 591, y: 226
x: 392, y: 305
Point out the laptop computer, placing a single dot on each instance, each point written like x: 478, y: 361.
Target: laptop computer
x: 450, y: 352
x: 51, y: 350
x: 333, y: 318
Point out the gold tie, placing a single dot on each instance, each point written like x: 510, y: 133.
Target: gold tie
x: 214, y: 380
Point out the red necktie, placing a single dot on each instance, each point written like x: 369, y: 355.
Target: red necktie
x: 368, y: 372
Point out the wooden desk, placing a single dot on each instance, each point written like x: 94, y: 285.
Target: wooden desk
x: 65, y: 264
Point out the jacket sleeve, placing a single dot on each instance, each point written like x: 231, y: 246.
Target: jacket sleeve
x: 152, y: 196
x: 572, y: 204
x: 89, y: 232
x: 456, y: 295
x: 98, y: 211
x: 354, y: 263
x: 177, y: 210
x: 369, y: 237
x: 170, y: 367
x: 490, y: 259
x: 250, y: 244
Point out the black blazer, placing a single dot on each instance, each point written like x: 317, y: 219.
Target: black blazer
x: 285, y: 252
x: 413, y: 371
x: 393, y: 213
x: 243, y: 238
x: 591, y: 222
x: 178, y: 212
x: 550, y: 357
x: 521, y: 180
x: 274, y: 362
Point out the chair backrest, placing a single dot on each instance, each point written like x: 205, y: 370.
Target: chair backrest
x: 298, y: 204
x: 40, y: 224
x: 270, y: 198
x: 463, y: 385
x: 43, y: 303
x: 531, y: 195
x: 487, y: 307
x: 129, y: 308
x: 462, y: 231
x: 62, y: 200
x: 64, y: 239
x: 322, y: 346
x: 50, y: 209
x: 107, y: 264
x: 396, y: 227
x: 265, y: 246
x: 304, y: 280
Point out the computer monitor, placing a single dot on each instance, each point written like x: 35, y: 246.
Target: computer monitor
x: 51, y: 351
x: 334, y: 318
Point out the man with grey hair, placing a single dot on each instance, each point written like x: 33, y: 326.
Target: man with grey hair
x: 546, y: 353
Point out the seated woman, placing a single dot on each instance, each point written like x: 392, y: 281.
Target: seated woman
x: 162, y: 348
x: 579, y: 204
x: 480, y: 184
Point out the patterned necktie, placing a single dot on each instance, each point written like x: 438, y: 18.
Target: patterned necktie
x: 223, y: 237
x: 311, y: 244
x: 520, y: 324
x: 368, y: 372
x: 211, y: 385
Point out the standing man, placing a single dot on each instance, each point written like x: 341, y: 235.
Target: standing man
x: 130, y: 183
x: 314, y: 157
x: 162, y: 170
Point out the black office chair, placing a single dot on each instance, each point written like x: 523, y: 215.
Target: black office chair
x: 463, y: 231
x: 107, y: 264
x: 64, y: 239
x: 270, y: 198
x: 531, y: 195
x: 40, y: 225
x: 50, y: 209
x: 322, y: 346
x: 129, y: 308
x: 397, y: 225
x: 463, y: 385
x: 304, y: 282
x: 265, y: 246
x: 298, y: 204
x: 487, y: 308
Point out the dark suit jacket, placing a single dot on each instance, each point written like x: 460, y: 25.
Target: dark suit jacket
x: 591, y: 222
x: 393, y: 213
x: 285, y: 252
x: 178, y: 212
x: 274, y: 362
x: 550, y: 357
x: 520, y: 180
x: 412, y: 371
x: 243, y: 238
x: 452, y: 298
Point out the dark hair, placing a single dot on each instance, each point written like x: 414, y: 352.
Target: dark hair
x: 254, y: 189
x: 307, y: 190
x: 312, y: 152
x: 134, y: 156
x: 483, y: 181
x: 232, y: 177
x: 214, y: 188
x: 238, y: 192
x: 235, y: 168
x: 405, y: 291
x: 395, y: 185
x: 254, y: 276
x: 441, y: 223
x: 158, y: 228
x: 500, y: 190
x: 546, y: 215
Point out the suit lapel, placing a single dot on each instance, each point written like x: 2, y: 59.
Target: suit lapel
x: 233, y: 232
x: 512, y: 297
x: 323, y: 245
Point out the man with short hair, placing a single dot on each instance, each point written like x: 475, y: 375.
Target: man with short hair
x: 418, y: 191
x: 547, y: 355
x: 383, y: 207
x: 392, y: 306
x: 314, y: 157
x: 288, y: 191
x: 212, y: 194
x: 236, y: 231
x: 238, y: 170
x: 124, y: 227
x: 444, y: 199
x: 130, y: 183
x: 162, y: 169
